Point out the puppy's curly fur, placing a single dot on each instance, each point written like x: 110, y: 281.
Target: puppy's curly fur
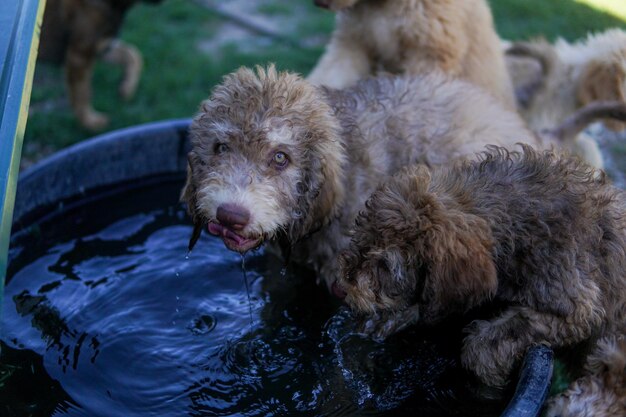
x: 335, y: 147
x: 602, y: 391
x: 552, y: 81
x: 414, y: 36
x: 539, y: 233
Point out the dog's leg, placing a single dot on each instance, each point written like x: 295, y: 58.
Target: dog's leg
x: 129, y: 58
x: 383, y: 325
x: 343, y: 64
x: 493, y: 348
x: 79, y: 70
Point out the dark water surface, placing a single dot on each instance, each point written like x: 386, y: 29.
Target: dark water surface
x: 105, y: 314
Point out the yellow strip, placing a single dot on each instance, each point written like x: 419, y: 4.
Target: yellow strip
x: 11, y: 184
x: 615, y: 7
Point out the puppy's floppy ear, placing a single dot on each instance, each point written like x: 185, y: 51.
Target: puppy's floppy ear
x: 394, y: 208
x: 457, y: 254
x: 188, y: 195
x: 603, y: 81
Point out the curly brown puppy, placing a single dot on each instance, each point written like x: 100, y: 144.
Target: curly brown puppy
x: 542, y: 234
x: 414, y: 36
x: 275, y: 158
x: 552, y: 81
x: 76, y: 33
x: 602, y: 392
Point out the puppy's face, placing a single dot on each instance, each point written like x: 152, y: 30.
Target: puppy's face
x: 335, y: 5
x: 265, y: 159
x: 409, y: 249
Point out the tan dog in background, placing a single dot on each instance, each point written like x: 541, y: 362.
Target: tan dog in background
x: 412, y: 37
x: 552, y: 81
x: 76, y: 33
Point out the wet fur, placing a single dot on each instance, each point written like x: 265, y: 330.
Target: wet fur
x: 75, y: 33
x: 538, y: 233
x: 340, y: 145
x: 414, y: 36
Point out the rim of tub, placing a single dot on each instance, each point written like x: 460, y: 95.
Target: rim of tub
x: 152, y: 153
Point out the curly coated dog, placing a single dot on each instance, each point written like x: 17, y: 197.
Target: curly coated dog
x: 541, y: 234
x: 76, y: 33
x: 552, y: 81
x: 275, y: 158
x: 413, y: 37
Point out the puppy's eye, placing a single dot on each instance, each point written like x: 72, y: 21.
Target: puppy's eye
x: 280, y: 159
x: 220, y: 148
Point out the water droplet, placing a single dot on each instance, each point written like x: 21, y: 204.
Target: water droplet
x: 283, y: 271
x: 177, y: 298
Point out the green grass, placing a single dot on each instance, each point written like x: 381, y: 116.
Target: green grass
x: 178, y: 76
x: 275, y: 9
x: 551, y: 19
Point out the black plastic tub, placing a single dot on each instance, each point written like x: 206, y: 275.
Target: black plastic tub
x: 105, y: 313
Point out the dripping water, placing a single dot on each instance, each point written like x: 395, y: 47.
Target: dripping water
x: 245, y: 280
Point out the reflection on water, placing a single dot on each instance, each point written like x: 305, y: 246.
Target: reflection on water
x: 107, y: 315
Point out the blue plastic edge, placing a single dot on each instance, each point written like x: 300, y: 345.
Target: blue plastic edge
x: 20, y: 39
x: 533, y: 384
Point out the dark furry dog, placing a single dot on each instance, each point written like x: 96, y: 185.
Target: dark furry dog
x: 541, y: 234
x: 75, y: 33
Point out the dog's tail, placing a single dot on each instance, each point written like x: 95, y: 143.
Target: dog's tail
x: 609, y: 358
x: 544, y: 54
x: 583, y: 117
x: 539, y: 50
x: 601, y: 391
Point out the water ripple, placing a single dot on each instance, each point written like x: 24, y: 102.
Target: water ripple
x: 132, y: 325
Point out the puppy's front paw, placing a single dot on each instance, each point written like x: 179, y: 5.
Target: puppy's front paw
x: 93, y: 120
x: 383, y: 325
x: 490, y: 358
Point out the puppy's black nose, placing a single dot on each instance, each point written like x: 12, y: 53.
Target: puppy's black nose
x: 233, y: 216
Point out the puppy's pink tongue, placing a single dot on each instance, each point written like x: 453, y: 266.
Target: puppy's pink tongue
x: 219, y: 230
